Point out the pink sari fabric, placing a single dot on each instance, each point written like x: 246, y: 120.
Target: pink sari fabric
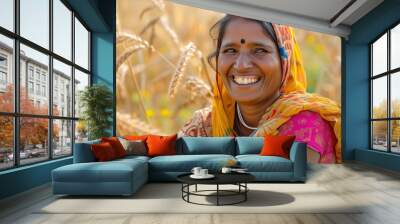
x: 311, y: 128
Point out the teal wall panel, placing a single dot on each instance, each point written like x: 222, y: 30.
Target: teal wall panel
x: 377, y: 158
x: 103, y: 64
x: 90, y: 12
x: 24, y: 178
x: 102, y: 58
x: 355, y: 107
x: 355, y: 78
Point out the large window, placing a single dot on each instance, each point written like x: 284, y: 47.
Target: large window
x: 385, y: 94
x: 44, y: 64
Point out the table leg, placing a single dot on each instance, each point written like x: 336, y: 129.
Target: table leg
x: 188, y: 189
x: 245, y: 193
x: 182, y: 188
x: 217, y: 194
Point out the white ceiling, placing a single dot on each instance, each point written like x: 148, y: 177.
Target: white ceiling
x: 321, y: 9
x: 324, y: 16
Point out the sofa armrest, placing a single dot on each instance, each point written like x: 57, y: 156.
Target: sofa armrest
x: 298, y: 155
x: 83, y: 152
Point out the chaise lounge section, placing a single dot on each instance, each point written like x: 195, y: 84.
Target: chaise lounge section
x: 88, y: 177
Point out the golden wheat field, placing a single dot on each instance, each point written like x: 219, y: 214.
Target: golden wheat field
x: 162, y: 71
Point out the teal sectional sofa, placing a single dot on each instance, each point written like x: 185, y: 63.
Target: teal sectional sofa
x: 125, y: 176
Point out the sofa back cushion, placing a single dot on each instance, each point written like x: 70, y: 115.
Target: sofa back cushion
x: 249, y: 145
x: 83, y: 152
x: 206, y: 145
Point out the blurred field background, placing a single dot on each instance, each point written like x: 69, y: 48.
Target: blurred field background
x: 162, y: 71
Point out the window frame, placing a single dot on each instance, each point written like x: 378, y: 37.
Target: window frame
x: 16, y: 114
x: 388, y: 74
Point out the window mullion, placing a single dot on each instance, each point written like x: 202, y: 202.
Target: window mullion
x: 389, y: 106
x: 16, y: 84
x: 73, y: 83
x: 50, y: 81
x: 370, y: 98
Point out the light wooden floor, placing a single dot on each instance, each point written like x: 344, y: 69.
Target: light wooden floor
x: 378, y: 188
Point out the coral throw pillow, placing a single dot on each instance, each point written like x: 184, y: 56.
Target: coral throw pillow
x: 161, y: 145
x: 103, y: 151
x: 116, y: 145
x: 277, y: 145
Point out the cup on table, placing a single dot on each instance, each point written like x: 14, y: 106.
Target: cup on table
x: 226, y: 170
x: 196, y: 171
x: 203, y: 172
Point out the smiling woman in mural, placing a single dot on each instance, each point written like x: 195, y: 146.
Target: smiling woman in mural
x: 260, y: 89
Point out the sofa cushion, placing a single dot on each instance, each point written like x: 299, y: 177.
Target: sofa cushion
x: 206, y: 145
x: 249, y: 145
x: 132, y: 158
x: 112, y: 171
x: 185, y: 163
x: 257, y: 163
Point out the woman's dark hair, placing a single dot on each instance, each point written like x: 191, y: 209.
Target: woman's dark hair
x: 217, y: 32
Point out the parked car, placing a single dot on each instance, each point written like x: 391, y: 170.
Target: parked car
x: 22, y: 155
x: 10, y: 156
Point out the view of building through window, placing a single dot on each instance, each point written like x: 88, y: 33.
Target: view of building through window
x: 39, y: 81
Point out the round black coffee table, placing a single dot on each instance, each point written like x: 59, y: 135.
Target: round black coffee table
x: 238, y: 179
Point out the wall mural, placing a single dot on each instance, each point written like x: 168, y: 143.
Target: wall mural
x: 195, y: 72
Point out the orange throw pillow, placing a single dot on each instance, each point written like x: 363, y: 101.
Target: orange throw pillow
x: 116, y: 145
x: 277, y: 145
x: 161, y: 145
x: 103, y: 152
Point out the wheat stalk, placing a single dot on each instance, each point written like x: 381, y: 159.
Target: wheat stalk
x: 128, y: 124
x: 187, y: 53
x: 127, y: 53
x: 160, y: 4
x: 122, y: 37
x: 167, y: 27
x: 199, y: 54
x: 192, y: 100
x: 121, y: 89
x: 188, y: 102
x: 198, y: 88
